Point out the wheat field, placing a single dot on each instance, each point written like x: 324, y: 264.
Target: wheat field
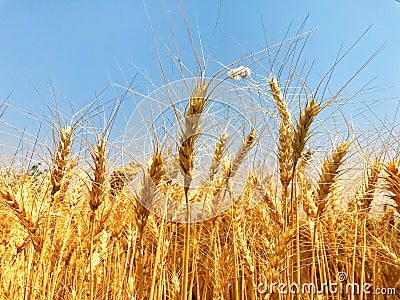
x: 84, y: 228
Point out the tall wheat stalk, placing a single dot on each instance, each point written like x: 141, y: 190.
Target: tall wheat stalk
x: 96, y: 198
x: 151, y: 179
x: 285, y: 144
x: 189, y: 136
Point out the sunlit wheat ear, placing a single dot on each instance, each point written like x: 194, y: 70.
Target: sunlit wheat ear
x: 301, y: 132
x: 218, y: 154
x: 329, y: 175
x: 307, y: 198
x: 60, y: 159
x: 388, y: 217
x: 306, y: 190
x: 245, y: 147
x: 304, y: 161
x: 144, y: 201
x: 386, y: 252
x: 191, y: 131
x: 96, y: 192
x: 366, y: 194
x: 249, y: 191
x: 25, y: 219
x: 156, y: 168
x: 152, y: 176
x: 393, y: 181
x: 66, y: 180
x: 274, y: 212
x: 280, y: 101
x: 221, y: 181
x: 278, y: 248
x: 121, y: 176
x: 285, y: 155
x: 285, y: 148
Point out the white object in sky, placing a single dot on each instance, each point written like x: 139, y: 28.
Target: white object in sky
x: 239, y: 73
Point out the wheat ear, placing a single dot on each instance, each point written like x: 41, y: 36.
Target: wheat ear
x: 60, y: 160
x: 245, y: 147
x: 24, y: 218
x: 285, y: 148
x: 157, y: 168
x: 280, y: 101
x: 121, y: 176
x: 386, y: 251
x: 96, y: 191
x: 301, y: 132
x: 218, y: 154
x: 393, y: 181
x: 329, y: 175
x: 367, y: 192
x: 191, y: 132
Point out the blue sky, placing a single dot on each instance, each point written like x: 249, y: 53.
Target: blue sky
x: 80, y: 45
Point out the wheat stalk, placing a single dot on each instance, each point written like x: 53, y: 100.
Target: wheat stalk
x: 96, y: 198
x: 186, y: 156
x: 240, y: 239
x: 151, y: 179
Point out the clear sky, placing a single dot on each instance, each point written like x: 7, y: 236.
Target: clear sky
x: 80, y: 45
